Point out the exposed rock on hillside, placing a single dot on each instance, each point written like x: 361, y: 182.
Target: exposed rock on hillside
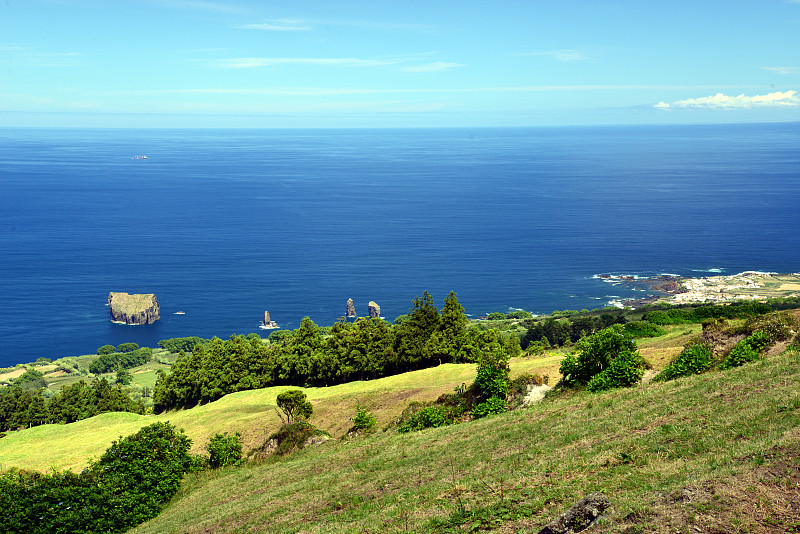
x: 351, y: 308
x: 374, y: 309
x: 580, y: 516
x: 140, y: 308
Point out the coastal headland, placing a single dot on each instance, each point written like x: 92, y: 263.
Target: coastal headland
x: 673, y: 289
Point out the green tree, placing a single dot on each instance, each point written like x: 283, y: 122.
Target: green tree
x: 295, y: 406
x: 124, y: 377
x: 106, y: 349
x: 414, y: 332
x: 444, y: 344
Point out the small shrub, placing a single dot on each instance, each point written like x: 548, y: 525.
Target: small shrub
x: 294, y: 436
x: 759, y: 341
x: 638, y: 329
x: 224, y: 450
x: 624, y: 371
x: 694, y: 359
x: 106, y: 349
x: 741, y: 354
x: 595, y: 354
x: 362, y: 420
x: 491, y: 406
x: 426, y: 417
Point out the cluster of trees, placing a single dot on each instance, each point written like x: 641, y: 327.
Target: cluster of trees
x: 128, y: 485
x: 557, y: 332
x: 702, y: 313
x: 182, y: 344
x: 361, y: 350
x: 516, y: 314
x: 114, y: 361
x: 23, y: 408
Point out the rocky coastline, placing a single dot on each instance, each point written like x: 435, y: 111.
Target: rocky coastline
x: 674, y: 289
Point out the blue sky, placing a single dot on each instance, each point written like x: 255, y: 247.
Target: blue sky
x: 310, y: 63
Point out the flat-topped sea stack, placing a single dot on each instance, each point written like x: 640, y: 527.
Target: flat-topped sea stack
x: 351, y: 308
x: 133, y: 309
x: 374, y: 309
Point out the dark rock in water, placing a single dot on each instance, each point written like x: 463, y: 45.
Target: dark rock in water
x: 580, y: 516
x: 374, y: 309
x: 133, y: 309
x: 351, y: 308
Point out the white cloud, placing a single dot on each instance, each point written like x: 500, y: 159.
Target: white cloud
x: 253, y: 62
x: 782, y: 70
x: 436, y: 66
x: 562, y: 55
x: 283, y: 25
x: 777, y: 99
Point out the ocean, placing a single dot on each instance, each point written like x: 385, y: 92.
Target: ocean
x: 225, y: 224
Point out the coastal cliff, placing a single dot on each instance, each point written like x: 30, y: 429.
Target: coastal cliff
x: 133, y: 309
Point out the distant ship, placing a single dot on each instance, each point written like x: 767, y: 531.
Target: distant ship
x: 139, y: 157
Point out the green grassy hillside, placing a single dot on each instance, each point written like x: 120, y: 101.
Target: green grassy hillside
x: 253, y: 413
x: 718, y: 452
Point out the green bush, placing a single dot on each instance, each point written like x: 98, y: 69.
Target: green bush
x: 31, y: 379
x: 128, y: 485
x: 106, y: 349
x: 638, y: 329
x: 491, y: 406
x: 595, y: 353
x: 759, y: 341
x: 693, y: 360
x: 624, y: 371
x: 741, y: 354
x: 224, y: 450
x: 427, y: 417
x: 492, y: 377
x: 496, y: 316
x: 363, y: 420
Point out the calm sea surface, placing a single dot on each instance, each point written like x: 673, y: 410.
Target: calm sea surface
x: 224, y: 224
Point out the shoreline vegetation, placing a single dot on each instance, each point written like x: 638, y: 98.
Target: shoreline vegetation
x: 705, y: 338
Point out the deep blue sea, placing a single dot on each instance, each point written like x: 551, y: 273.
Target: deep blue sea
x: 224, y: 224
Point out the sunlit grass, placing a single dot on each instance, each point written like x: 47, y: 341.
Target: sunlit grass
x: 637, y: 445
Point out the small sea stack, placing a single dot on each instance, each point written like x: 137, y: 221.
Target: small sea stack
x: 139, y: 308
x: 374, y: 309
x: 267, y: 322
x: 351, y: 309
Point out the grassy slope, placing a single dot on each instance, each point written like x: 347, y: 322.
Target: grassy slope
x: 713, y: 453
x: 718, y: 452
x: 253, y: 413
